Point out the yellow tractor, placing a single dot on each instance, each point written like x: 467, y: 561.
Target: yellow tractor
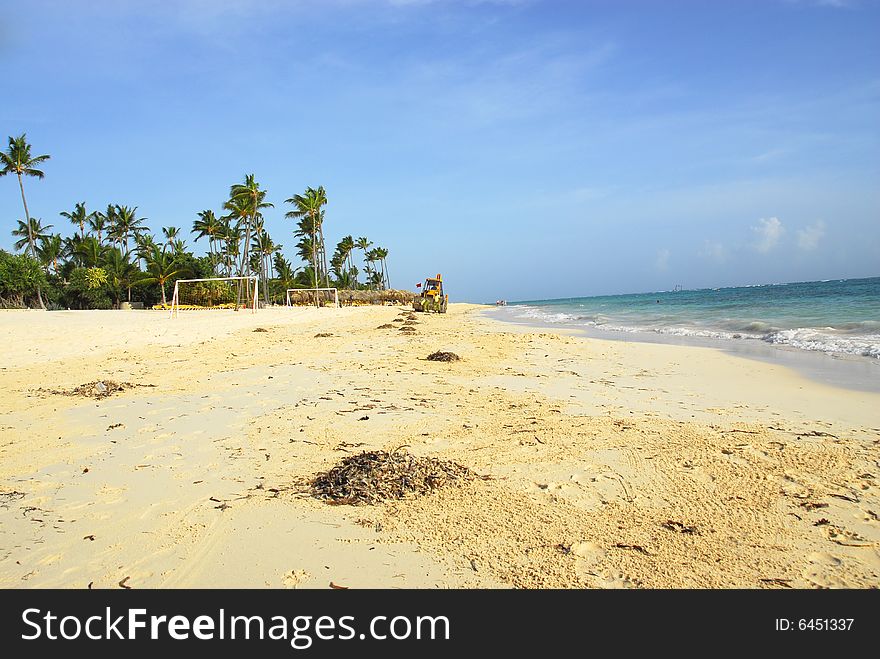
x: 432, y: 297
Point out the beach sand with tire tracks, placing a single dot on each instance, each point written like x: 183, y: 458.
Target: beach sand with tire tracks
x: 604, y: 464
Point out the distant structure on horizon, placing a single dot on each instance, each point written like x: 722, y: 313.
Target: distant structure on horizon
x: 677, y: 289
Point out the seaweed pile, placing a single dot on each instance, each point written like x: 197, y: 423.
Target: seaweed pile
x: 443, y: 357
x: 372, y: 477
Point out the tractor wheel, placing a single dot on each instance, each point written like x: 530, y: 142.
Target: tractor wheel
x: 443, y: 307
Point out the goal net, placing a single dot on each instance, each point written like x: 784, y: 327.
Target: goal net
x: 319, y: 297
x: 215, y: 293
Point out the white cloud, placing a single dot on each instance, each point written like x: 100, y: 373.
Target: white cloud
x: 662, y: 261
x: 808, y: 238
x: 714, y: 251
x: 769, y: 232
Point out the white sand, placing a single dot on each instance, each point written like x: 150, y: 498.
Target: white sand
x: 614, y: 464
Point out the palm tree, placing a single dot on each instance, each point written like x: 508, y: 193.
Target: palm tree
x: 50, y: 250
x: 231, y: 237
x: 170, y: 234
x: 348, y: 247
x: 125, y: 225
x: 363, y: 244
x: 286, y: 275
x: 17, y: 160
x: 97, y: 224
x: 79, y: 217
x: 144, y: 242
x: 372, y: 274
x: 265, y: 247
x: 307, y: 207
x: 70, y: 249
x: 119, y: 273
x: 29, y: 233
x: 90, y: 252
x: 382, y: 254
x: 161, y: 267
x: 247, y: 199
x: 207, y: 226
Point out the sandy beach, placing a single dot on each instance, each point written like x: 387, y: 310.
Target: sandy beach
x: 605, y: 464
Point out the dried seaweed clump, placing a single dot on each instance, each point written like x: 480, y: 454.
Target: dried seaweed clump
x: 261, y: 329
x: 386, y: 326
x: 443, y: 357
x: 407, y: 329
x: 99, y: 389
x: 372, y: 477
x: 322, y: 335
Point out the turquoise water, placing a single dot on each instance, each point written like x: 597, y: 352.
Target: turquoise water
x: 834, y: 317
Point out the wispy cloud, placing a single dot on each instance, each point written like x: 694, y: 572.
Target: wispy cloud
x: 662, y: 261
x: 809, y: 237
x: 714, y: 251
x: 768, y: 231
x: 833, y: 4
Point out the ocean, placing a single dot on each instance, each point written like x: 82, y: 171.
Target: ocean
x: 836, y: 317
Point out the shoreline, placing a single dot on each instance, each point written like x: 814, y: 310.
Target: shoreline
x: 720, y: 469
x: 845, y: 371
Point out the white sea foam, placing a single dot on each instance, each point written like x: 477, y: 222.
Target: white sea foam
x: 851, y: 339
x: 867, y: 345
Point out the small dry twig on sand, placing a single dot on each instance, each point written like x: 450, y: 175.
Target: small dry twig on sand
x: 374, y: 476
x: 443, y: 357
x: 784, y: 583
x: 678, y: 527
x: 322, y: 335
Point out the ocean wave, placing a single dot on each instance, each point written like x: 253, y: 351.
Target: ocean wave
x: 857, y: 338
x: 824, y: 341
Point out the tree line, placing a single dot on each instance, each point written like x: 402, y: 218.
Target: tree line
x: 111, y: 255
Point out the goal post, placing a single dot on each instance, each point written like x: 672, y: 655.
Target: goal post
x: 215, y: 293
x: 316, y: 296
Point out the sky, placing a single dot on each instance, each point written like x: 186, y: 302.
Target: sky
x: 523, y: 149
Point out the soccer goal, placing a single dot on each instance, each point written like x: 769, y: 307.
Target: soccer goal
x: 215, y: 293
x: 317, y: 296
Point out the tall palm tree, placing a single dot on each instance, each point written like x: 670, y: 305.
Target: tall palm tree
x: 373, y: 275
x: 126, y: 224
x: 97, y: 224
x: 144, y: 243
x: 171, y: 234
x: 344, y: 249
x: 162, y: 266
x: 231, y: 237
x: 28, y: 234
x: 17, y: 160
x: 50, y: 250
x: 363, y: 244
x: 308, y: 206
x: 70, y: 250
x: 381, y: 255
x: 105, y: 220
x: 249, y: 199
x: 207, y: 226
x: 79, y: 217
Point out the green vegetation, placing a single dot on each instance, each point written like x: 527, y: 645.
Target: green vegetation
x: 111, y: 256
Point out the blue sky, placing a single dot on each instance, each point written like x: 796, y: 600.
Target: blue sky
x: 524, y: 149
